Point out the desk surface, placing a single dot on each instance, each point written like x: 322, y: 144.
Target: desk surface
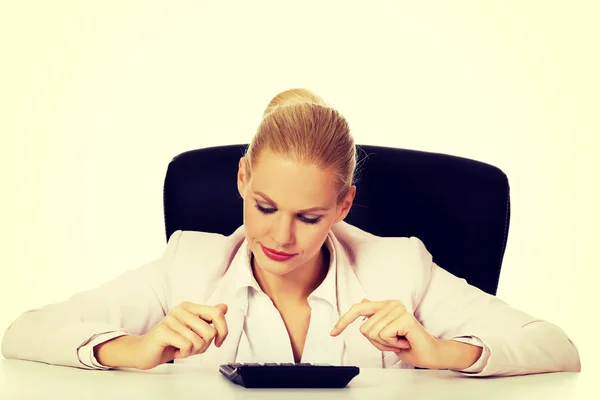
x: 32, y: 380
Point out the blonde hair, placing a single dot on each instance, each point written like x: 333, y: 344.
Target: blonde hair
x: 299, y: 124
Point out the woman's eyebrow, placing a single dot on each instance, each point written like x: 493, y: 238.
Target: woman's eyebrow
x: 299, y: 212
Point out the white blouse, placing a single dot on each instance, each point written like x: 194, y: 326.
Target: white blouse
x: 265, y: 338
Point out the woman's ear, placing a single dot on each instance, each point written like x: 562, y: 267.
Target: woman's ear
x: 346, y: 204
x: 242, y: 177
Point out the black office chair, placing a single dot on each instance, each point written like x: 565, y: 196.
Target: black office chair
x: 459, y: 208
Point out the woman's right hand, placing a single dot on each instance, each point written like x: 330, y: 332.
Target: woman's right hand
x: 185, y: 331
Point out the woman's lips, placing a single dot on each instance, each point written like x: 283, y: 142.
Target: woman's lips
x: 276, y: 255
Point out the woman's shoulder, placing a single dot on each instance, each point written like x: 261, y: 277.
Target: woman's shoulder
x: 376, y: 255
x: 186, y: 238
x: 362, y: 243
x: 189, y: 248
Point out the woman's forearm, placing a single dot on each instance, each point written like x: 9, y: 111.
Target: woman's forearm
x: 116, y: 353
x: 458, y: 356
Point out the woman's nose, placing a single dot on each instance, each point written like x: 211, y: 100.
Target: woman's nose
x: 283, y: 231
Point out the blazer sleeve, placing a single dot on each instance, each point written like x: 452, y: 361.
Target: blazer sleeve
x: 132, y: 303
x: 514, y: 342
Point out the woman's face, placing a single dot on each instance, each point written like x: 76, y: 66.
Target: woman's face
x: 288, y: 207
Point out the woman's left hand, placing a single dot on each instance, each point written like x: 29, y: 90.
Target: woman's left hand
x: 390, y: 327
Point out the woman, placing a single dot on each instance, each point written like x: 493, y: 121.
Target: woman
x: 293, y: 284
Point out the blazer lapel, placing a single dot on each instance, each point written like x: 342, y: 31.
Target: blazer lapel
x: 225, y: 292
x: 235, y: 322
x: 359, y: 351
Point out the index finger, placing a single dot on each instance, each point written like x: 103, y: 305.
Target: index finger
x: 365, y: 309
x: 211, y: 314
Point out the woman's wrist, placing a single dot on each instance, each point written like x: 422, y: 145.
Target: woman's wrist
x: 458, y: 356
x: 116, y: 352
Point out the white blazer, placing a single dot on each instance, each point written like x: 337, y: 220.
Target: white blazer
x: 195, y: 268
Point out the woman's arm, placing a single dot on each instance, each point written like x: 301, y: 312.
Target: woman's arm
x: 459, y: 356
x: 65, y: 333
x: 514, y: 343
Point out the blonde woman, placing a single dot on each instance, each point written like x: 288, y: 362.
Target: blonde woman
x: 293, y: 284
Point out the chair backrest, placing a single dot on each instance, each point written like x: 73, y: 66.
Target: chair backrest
x: 459, y: 208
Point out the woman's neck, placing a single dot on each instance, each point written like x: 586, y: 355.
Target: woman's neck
x: 296, y: 286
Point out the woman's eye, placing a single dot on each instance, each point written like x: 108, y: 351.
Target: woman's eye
x: 302, y: 218
x: 265, y: 210
x: 309, y: 220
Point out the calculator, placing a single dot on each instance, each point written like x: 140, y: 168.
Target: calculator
x: 288, y: 375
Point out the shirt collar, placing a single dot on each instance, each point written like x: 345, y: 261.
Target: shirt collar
x: 245, y: 279
x: 244, y: 276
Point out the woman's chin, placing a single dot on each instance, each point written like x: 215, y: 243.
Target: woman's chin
x: 273, y: 266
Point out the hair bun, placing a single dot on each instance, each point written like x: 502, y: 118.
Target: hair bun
x: 294, y: 96
x: 301, y: 126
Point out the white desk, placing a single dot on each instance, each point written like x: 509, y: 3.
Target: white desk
x: 31, y: 380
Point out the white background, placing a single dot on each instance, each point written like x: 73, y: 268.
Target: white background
x: 96, y: 98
